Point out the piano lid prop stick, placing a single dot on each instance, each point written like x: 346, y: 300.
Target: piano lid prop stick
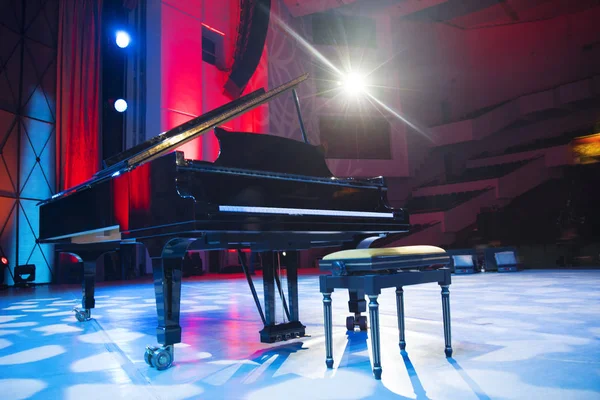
x: 297, y: 102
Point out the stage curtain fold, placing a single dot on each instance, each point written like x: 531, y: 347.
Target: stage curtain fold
x: 78, y: 91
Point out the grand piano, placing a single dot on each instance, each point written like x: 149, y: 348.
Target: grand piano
x: 264, y: 193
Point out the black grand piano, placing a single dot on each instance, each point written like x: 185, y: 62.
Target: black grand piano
x: 264, y: 192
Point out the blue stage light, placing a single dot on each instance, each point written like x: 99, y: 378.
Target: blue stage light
x: 120, y: 105
x: 123, y: 39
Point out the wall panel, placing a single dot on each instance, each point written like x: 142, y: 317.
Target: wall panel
x: 28, y: 36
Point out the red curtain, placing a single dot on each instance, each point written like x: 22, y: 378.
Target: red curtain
x: 78, y: 91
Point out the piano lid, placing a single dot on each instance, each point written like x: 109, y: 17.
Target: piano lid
x: 173, y: 138
x: 270, y: 153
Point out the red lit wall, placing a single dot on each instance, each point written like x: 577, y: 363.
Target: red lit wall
x: 475, y: 68
x: 180, y: 85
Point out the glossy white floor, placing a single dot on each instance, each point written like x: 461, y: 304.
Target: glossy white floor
x: 525, y: 335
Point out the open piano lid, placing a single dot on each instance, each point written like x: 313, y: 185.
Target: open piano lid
x: 173, y: 138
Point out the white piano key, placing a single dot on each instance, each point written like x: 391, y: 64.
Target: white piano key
x: 305, y: 211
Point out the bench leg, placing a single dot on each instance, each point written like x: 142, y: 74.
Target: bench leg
x: 446, y: 315
x: 374, y: 315
x: 400, y: 310
x: 328, y: 329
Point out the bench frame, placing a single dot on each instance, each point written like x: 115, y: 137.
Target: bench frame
x: 371, y: 285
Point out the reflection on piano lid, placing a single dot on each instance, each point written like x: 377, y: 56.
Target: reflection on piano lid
x: 174, y: 138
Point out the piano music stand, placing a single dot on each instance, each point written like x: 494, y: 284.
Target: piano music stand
x: 367, y: 271
x: 297, y: 103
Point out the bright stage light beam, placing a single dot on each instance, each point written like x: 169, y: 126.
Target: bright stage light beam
x: 307, y: 46
x: 400, y: 117
x: 345, y: 78
x: 354, y: 84
x: 122, y: 39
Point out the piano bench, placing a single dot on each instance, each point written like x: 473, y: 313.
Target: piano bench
x: 367, y: 271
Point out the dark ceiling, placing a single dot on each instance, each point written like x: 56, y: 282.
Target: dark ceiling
x: 463, y: 14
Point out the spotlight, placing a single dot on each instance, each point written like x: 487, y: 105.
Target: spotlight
x: 123, y: 39
x: 4, y: 261
x: 120, y: 105
x: 353, y: 83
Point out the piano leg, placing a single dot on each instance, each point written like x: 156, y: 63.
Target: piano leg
x: 89, y: 282
x: 292, y: 279
x: 167, y: 289
x: 269, y: 288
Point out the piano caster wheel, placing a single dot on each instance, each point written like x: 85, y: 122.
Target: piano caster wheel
x: 160, y: 358
x: 362, y: 322
x: 350, y: 323
x: 83, y: 315
x: 148, y: 354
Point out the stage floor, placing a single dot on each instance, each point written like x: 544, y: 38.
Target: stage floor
x: 525, y: 335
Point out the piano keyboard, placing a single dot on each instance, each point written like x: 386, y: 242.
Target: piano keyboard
x: 305, y: 211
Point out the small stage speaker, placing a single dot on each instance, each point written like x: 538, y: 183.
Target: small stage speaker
x: 463, y: 264
x: 24, y: 275
x: 506, y: 261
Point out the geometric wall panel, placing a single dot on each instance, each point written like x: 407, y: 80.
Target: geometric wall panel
x: 9, y: 156
x: 10, y: 15
x: 10, y: 45
x: 8, y: 232
x: 28, y: 49
x: 9, y: 160
x: 36, y: 159
x: 30, y: 252
x: 41, y: 21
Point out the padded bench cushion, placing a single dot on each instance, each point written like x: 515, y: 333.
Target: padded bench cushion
x: 384, y: 258
x: 384, y: 251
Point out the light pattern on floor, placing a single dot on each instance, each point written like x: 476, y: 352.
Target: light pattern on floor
x: 532, y: 334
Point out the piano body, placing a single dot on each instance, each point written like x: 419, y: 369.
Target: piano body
x: 265, y: 193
